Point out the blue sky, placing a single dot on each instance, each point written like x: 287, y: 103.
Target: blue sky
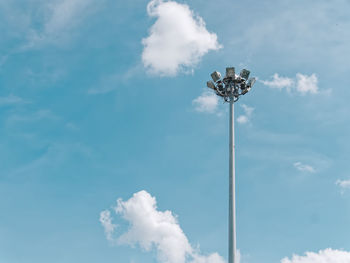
x: 102, y: 100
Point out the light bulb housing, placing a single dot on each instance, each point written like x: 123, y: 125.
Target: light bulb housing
x: 230, y: 72
x: 211, y: 85
x: 251, y: 82
x: 216, y: 76
x: 244, y: 74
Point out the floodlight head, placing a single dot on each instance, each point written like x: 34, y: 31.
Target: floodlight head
x: 211, y: 85
x: 230, y: 72
x: 251, y: 82
x: 244, y: 89
x: 215, y: 76
x: 244, y: 74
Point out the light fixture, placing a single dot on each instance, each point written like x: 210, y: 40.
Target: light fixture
x: 216, y: 76
x: 251, y: 82
x: 244, y: 74
x: 211, y: 85
x: 230, y: 72
x: 231, y: 87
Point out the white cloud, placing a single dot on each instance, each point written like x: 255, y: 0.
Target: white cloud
x: 343, y: 184
x: 307, y: 84
x: 150, y: 227
x: 304, y: 167
x: 302, y: 84
x: 154, y: 229
x: 245, y: 118
x: 242, y: 119
x: 323, y: 256
x: 213, y: 258
x: 278, y: 82
x: 207, y: 102
x: 106, y: 221
x: 178, y: 39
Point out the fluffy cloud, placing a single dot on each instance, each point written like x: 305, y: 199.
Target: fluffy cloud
x: 323, y: 256
x: 177, y: 40
x: 302, y: 84
x: 307, y: 84
x: 245, y: 118
x: 304, y: 167
x: 207, y: 102
x: 154, y: 229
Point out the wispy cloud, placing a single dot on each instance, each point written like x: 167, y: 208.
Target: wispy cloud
x: 106, y: 221
x: 302, y: 84
x: 11, y: 100
x: 288, y: 31
x: 154, y: 229
x: 101, y: 90
x: 111, y: 82
x: 323, y: 256
x: 304, y: 167
x: 178, y: 39
x: 343, y: 184
x: 38, y: 23
x: 57, y: 155
x: 245, y: 118
x: 59, y: 19
x: 32, y: 117
x: 207, y: 102
x: 278, y: 82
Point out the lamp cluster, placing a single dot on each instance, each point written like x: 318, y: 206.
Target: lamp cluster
x: 231, y: 86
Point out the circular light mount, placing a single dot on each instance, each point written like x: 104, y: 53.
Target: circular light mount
x: 232, y: 86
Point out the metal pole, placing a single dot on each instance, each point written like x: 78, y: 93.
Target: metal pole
x: 232, y: 201
x: 230, y: 88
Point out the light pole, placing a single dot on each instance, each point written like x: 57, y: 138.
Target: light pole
x: 230, y: 88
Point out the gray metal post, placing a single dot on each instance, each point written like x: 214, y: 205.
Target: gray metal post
x: 232, y: 201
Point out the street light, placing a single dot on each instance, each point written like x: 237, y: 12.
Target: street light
x: 230, y: 88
